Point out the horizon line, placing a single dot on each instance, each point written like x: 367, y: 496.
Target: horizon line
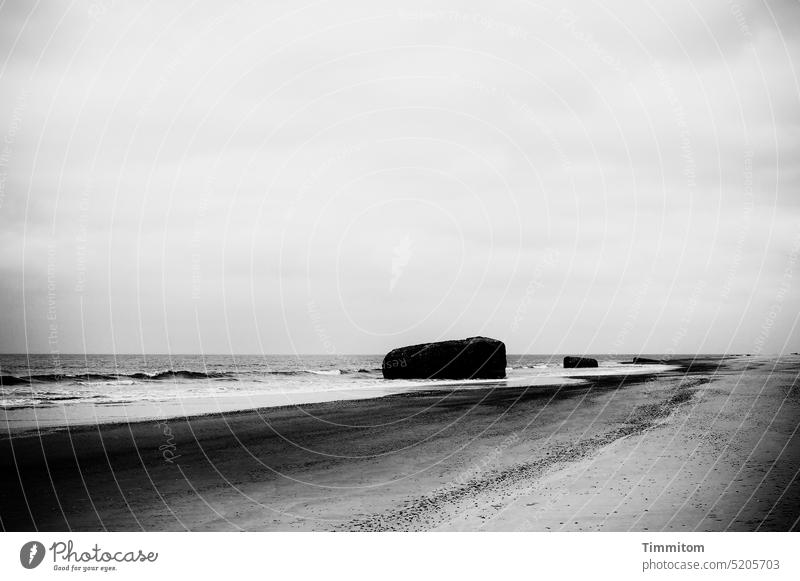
x: 338, y: 355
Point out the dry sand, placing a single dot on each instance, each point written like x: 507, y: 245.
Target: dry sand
x: 713, y: 446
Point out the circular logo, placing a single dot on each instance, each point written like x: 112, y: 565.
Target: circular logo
x: 31, y: 554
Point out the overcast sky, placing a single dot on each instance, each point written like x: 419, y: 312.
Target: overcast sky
x: 346, y: 177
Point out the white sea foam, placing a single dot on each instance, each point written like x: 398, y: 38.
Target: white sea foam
x: 105, y: 388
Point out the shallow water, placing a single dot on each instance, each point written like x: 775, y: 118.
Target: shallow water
x: 43, y: 391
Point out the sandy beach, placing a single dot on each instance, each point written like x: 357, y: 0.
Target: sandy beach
x: 712, y: 446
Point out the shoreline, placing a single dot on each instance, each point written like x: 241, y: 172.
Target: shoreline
x: 614, y: 454
x: 34, y: 420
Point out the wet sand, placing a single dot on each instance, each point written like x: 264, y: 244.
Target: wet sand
x: 713, y: 446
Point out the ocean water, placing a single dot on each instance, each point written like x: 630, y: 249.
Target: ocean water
x: 55, y: 390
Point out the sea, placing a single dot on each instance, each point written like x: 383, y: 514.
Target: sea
x: 50, y: 391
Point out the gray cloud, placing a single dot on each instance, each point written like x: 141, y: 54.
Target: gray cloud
x: 239, y: 177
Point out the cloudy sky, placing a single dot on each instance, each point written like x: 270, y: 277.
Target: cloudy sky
x: 349, y: 176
